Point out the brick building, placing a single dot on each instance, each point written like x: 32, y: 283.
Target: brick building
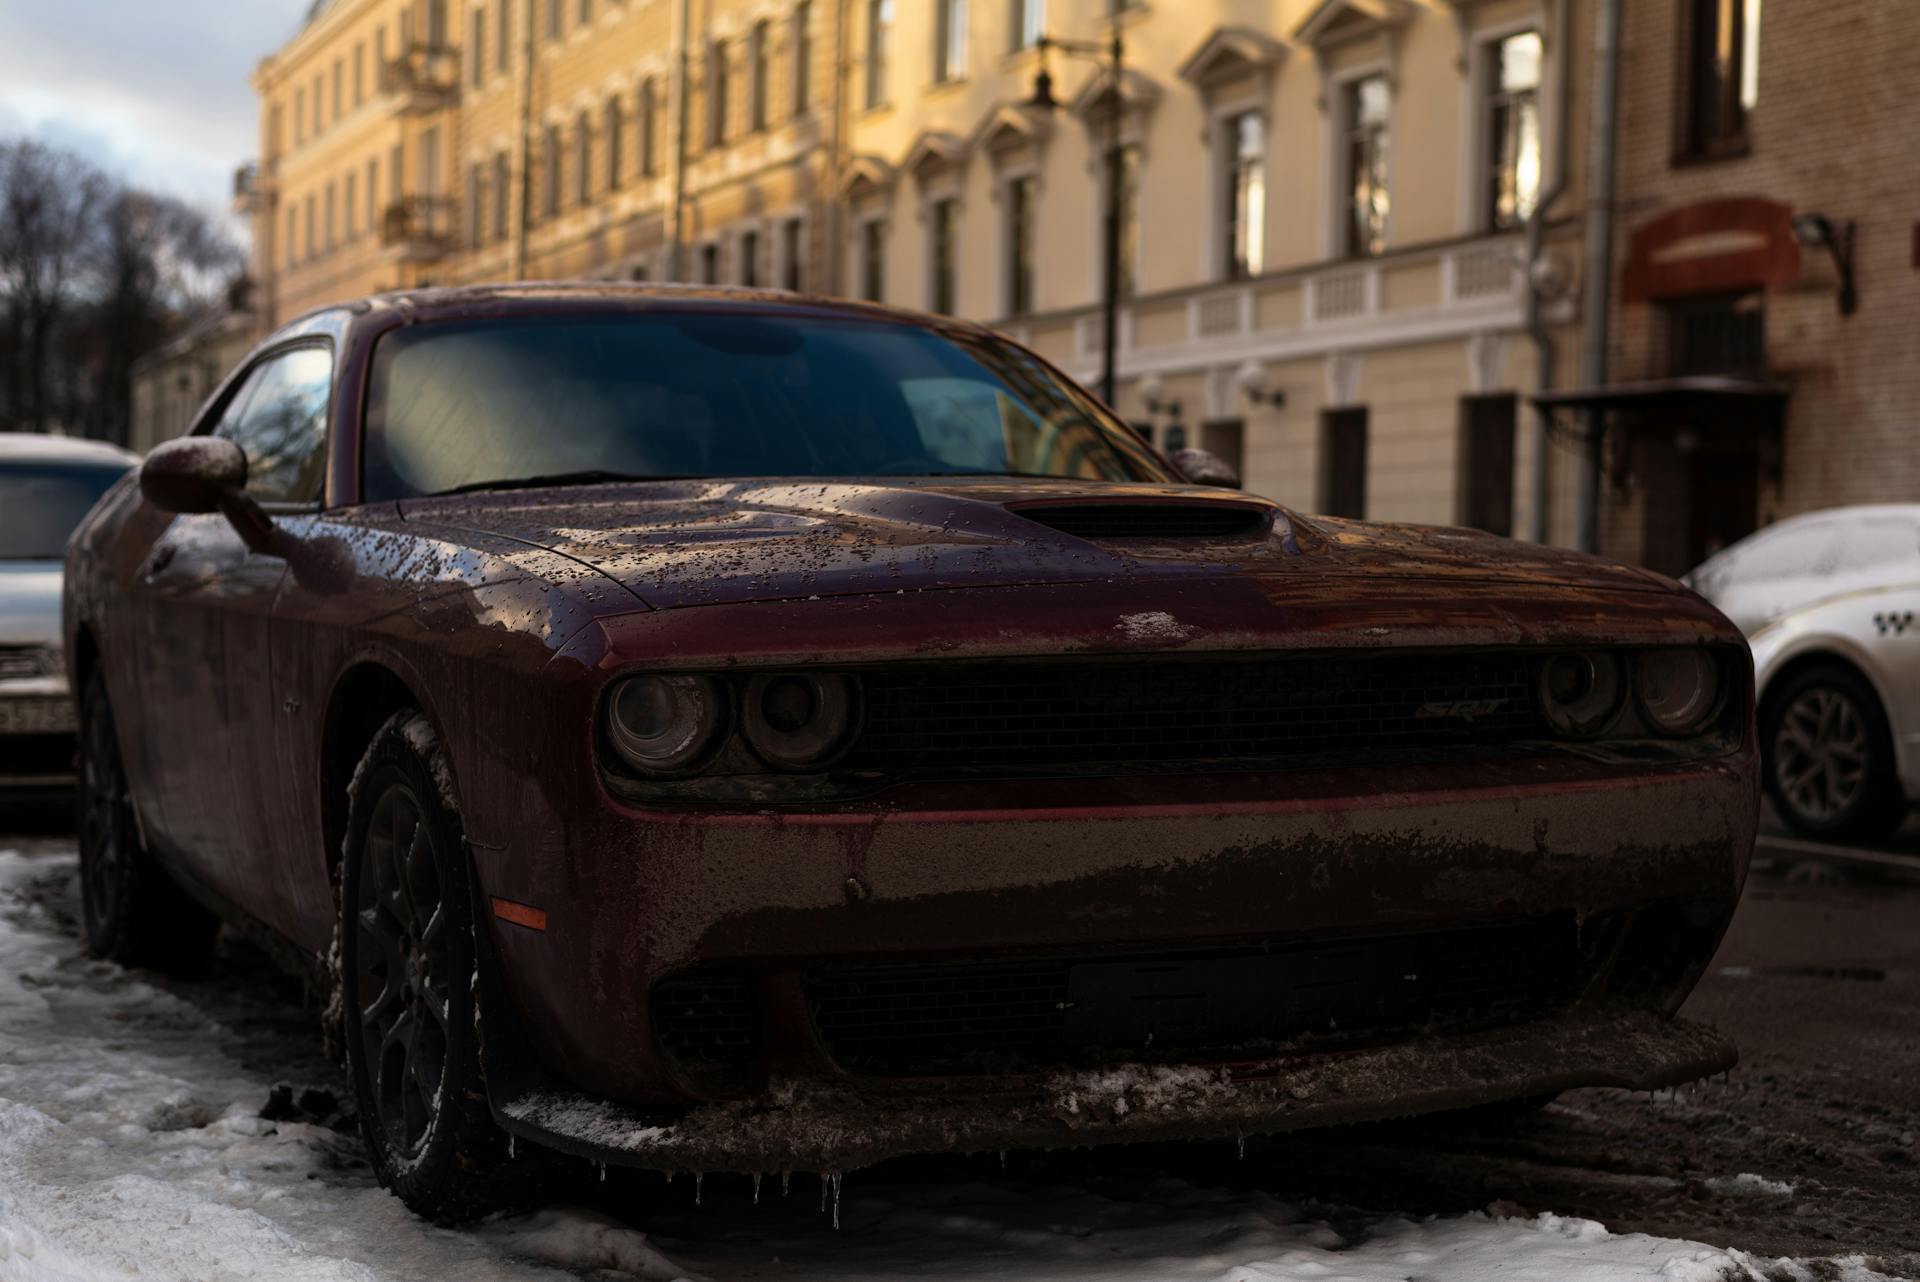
x: 1765, y: 353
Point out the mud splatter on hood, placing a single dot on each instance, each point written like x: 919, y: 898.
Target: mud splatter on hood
x: 683, y: 543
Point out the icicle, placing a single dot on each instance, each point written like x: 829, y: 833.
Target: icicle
x: 756, y: 1188
x: 835, y: 1177
x: 698, y: 1178
x: 825, y: 1179
x: 786, y: 1183
x: 669, y: 1177
x: 509, y: 1148
x: 1242, y: 1137
x: 603, y: 1172
x: 1003, y: 1159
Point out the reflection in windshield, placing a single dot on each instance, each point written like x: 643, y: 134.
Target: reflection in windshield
x: 41, y: 503
x: 724, y: 394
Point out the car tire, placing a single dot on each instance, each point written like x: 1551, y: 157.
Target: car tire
x: 1828, y: 754
x: 132, y: 912
x: 406, y: 961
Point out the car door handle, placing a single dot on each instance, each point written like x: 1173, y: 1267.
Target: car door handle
x: 162, y: 557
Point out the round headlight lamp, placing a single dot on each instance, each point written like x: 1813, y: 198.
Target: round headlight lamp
x: 1580, y: 692
x: 800, y: 721
x: 1678, y: 690
x: 663, y: 725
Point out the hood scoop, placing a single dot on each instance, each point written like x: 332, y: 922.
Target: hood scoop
x: 1151, y: 520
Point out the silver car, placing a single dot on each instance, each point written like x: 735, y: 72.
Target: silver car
x: 47, y: 485
x: 1830, y: 603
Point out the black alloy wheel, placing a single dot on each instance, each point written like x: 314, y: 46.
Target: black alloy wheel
x: 406, y: 958
x: 1829, y: 756
x: 132, y: 912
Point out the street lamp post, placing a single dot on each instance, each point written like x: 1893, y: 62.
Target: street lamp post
x: 1114, y: 52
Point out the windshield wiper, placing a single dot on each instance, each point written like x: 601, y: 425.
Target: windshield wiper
x: 591, y: 477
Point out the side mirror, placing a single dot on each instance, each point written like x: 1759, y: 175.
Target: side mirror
x: 193, y: 474
x: 1204, y: 468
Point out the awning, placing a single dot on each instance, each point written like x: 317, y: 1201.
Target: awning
x: 1663, y: 396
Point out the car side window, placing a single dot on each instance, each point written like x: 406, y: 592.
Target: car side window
x: 280, y: 419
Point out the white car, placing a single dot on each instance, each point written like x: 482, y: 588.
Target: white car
x: 1830, y: 603
x: 47, y: 484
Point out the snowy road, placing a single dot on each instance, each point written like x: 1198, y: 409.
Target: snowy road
x: 131, y: 1146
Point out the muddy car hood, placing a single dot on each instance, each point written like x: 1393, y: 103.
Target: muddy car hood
x: 686, y: 543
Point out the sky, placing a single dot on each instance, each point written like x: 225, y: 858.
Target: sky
x: 154, y: 92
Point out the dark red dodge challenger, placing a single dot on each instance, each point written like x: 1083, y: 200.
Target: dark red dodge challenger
x: 711, y: 730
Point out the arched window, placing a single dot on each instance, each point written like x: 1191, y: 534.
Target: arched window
x: 616, y: 147
x: 758, y: 54
x: 649, y: 129
x: 717, y: 93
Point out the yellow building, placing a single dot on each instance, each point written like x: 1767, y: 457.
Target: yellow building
x: 1323, y: 255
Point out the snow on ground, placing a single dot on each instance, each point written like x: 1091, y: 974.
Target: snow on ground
x: 131, y: 1147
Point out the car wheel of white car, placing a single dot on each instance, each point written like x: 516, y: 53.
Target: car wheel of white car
x: 406, y: 960
x: 1830, y: 756
x: 132, y: 911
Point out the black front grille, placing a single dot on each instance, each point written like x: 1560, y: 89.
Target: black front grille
x: 1151, y: 520
x: 705, y: 1021
x: 983, y: 1016
x: 1065, y: 714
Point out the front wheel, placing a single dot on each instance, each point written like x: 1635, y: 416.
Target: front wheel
x: 132, y: 911
x: 1829, y: 756
x: 406, y: 958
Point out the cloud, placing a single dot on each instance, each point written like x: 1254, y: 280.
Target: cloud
x: 155, y: 92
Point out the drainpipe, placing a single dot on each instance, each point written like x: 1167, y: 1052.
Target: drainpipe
x: 683, y: 19
x: 1597, y: 279
x: 836, y: 160
x: 1546, y: 353
x: 523, y: 213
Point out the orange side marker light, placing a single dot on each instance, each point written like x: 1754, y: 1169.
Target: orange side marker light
x: 520, y: 914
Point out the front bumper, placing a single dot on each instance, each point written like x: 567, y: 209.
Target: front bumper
x: 38, y: 735
x: 827, y: 1127
x: 1088, y: 869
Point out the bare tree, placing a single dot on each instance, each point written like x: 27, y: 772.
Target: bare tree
x: 50, y: 202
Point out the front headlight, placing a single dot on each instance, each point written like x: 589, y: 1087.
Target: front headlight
x: 1678, y: 690
x: 800, y: 721
x: 664, y: 725
x: 1580, y: 693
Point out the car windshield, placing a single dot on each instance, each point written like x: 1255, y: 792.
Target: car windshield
x: 42, y: 502
x: 723, y: 394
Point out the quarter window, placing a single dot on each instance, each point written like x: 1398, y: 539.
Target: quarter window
x: 1368, y: 108
x: 1512, y: 120
x: 279, y: 419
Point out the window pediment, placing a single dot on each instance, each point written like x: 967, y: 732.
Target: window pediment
x: 934, y: 155
x: 1138, y: 94
x: 1010, y: 127
x: 1229, y: 54
x: 1337, y: 22
x: 868, y: 177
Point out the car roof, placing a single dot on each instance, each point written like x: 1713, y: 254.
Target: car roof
x: 39, y: 447
x: 458, y: 302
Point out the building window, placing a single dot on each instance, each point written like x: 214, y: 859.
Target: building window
x: 293, y: 234
x: 350, y: 204
x: 308, y: 251
x: 1718, y: 334
x: 879, y: 35
x: 503, y: 54
x: 550, y: 170
x: 476, y: 201
x: 1366, y: 110
x: 556, y: 17
x: 616, y: 145
x: 717, y: 91
x: 802, y: 57
x: 586, y: 12
x: 944, y: 246
x: 949, y: 40
x: 583, y: 159
x: 1022, y: 197
x: 1245, y: 144
x: 1343, y: 462
x: 1129, y: 178
x: 1486, y: 462
x: 793, y: 249
x: 299, y: 116
x: 1512, y: 144
x: 649, y: 130
x: 359, y: 74
x: 758, y: 75
x: 477, y: 49
x: 1029, y: 23
x: 373, y: 195
x: 750, y: 259
x: 1723, y: 75
x: 327, y: 242
x: 710, y: 264
x: 437, y: 23
x: 339, y: 88
x: 873, y: 259
x: 502, y: 187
